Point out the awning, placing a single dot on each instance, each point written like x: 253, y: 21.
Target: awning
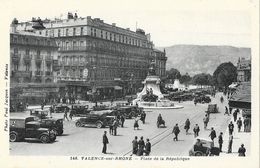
x: 233, y: 85
x: 117, y: 88
x: 241, y: 98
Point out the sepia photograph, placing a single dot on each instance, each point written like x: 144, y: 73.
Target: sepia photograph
x: 129, y: 80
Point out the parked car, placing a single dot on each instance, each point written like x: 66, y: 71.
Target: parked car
x: 60, y: 108
x: 79, y: 110
x: 202, y: 99
x: 21, y: 128
x: 95, y: 120
x: 129, y: 111
x: 205, y: 147
x: 47, y: 121
x: 212, y: 108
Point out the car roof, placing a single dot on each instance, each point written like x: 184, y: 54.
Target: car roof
x: 203, y: 139
x: 20, y: 117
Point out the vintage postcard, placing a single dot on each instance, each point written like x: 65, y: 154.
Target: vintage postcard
x: 129, y: 83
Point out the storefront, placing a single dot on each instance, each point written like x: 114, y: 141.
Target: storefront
x: 241, y: 99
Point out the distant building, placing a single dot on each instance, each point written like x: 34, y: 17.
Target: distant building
x: 244, y: 70
x: 96, y: 57
x: 31, y: 60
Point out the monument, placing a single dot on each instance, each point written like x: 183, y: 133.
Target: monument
x: 151, y: 97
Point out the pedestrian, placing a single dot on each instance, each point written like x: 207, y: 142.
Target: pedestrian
x: 187, y: 126
x: 147, y: 147
x: 111, y: 131
x: 71, y: 114
x: 135, y: 145
x: 246, y: 124
x: 143, y: 116
x: 226, y: 111
x: 242, y: 150
x: 176, y: 131
x: 230, y: 142
x: 196, y: 130
x: 115, y: 127
x: 230, y: 128
x: 195, y: 102
x: 205, y: 121
x: 220, y: 141
x: 235, y: 115
x: 136, y: 125
x: 105, y: 142
x: 221, y: 99
x: 42, y: 106
x: 122, y: 120
x: 66, y: 114
x: 51, y: 111
x: 141, y: 146
x: 212, y: 134
x: 239, y: 124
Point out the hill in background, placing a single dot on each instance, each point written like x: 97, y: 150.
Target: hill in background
x: 196, y: 59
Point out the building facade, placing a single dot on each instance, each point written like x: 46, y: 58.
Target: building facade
x: 31, y: 60
x: 244, y: 70
x: 96, y: 57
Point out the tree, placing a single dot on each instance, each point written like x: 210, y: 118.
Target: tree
x: 202, y: 79
x: 225, y: 74
x: 173, y: 74
x: 185, y: 79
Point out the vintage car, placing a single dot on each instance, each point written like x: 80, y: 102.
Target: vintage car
x: 203, y: 147
x: 47, y: 121
x: 202, y: 99
x: 129, y: 111
x: 21, y: 128
x: 60, y: 108
x: 212, y: 108
x: 100, y: 107
x: 79, y: 110
x: 95, y: 120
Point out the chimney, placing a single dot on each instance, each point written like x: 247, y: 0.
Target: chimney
x: 114, y: 24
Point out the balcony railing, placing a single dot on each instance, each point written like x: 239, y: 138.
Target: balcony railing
x: 67, y: 78
x: 38, y: 73
x: 27, y: 59
x: 48, y: 73
x: 27, y: 74
x: 16, y: 57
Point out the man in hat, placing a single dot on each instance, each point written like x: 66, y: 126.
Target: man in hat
x: 176, y: 131
x: 242, y: 151
x: 105, y: 142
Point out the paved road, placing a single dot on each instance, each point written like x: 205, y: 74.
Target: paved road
x: 88, y: 141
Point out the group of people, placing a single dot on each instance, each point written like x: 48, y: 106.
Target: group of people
x: 141, y: 148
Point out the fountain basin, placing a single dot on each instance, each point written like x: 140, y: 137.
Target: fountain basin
x: 166, y: 104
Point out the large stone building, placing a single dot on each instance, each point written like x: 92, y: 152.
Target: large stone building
x: 244, y: 70
x: 93, y: 55
x: 31, y: 60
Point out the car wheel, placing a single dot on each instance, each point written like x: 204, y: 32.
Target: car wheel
x: 45, y: 139
x: 198, y: 154
x: 52, y: 137
x: 13, y: 137
x: 78, y: 124
x: 99, y: 125
x: 60, y: 132
x: 54, y: 131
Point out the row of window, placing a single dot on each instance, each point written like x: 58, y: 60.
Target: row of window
x: 105, y: 61
x: 100, y: 74
x: 102, y: 46
x: 118, y: 38
x: 31, y: 40
x: 28, y: 52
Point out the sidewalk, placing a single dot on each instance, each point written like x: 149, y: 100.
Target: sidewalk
x: 238, y: 139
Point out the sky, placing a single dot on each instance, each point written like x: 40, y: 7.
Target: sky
x: 169, y: 22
